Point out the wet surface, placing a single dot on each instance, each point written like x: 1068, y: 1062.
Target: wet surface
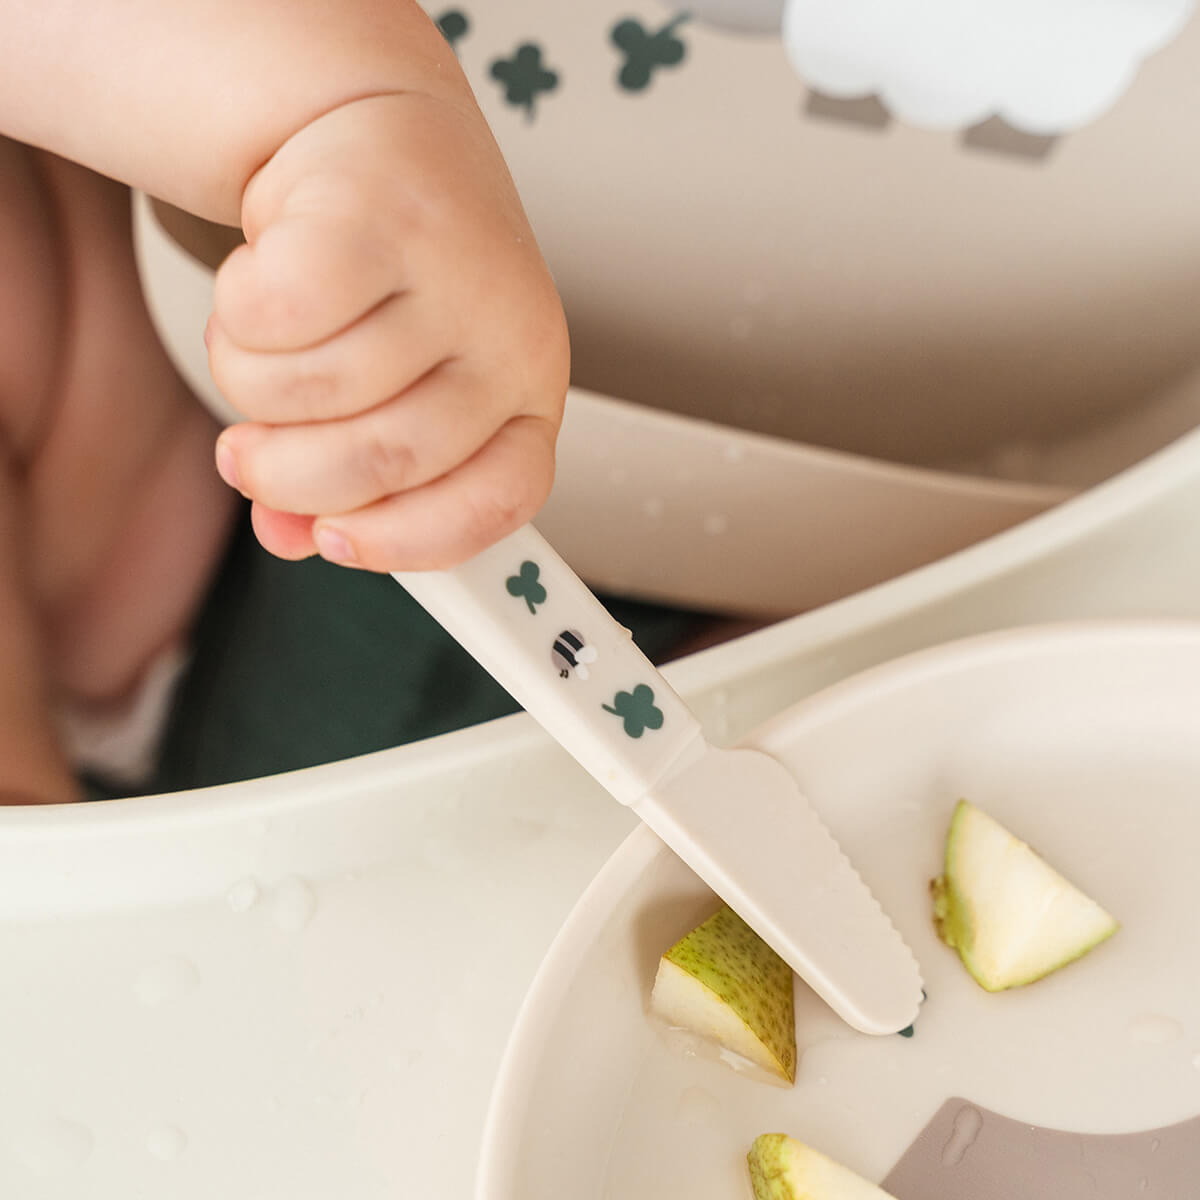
x: 968, y: 1152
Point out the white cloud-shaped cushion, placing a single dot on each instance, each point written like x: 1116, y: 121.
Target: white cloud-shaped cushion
x: 1046, y: 66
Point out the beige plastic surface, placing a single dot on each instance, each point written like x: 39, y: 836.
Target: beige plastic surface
x: 1086, y: 740
x: 679, y: 510
x: 726, y: 252
x: 302, y: 986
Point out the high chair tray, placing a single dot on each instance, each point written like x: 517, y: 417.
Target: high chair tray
x: 302, y: 986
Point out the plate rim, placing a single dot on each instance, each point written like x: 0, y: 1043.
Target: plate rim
x: 641, y: 847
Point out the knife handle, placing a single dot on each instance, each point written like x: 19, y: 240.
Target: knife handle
x: 530, y: 621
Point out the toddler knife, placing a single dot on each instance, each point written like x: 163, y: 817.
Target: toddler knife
x: 736, y: 817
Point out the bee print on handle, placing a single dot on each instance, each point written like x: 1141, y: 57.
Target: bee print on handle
x: 571, y: 654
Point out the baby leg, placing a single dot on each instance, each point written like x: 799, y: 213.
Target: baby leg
x: 32, y: 767
x: 112, y: 516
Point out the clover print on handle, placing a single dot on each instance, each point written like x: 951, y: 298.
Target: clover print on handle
x: 524, y: 615
x: 637, y: 709
x: 526, y: 586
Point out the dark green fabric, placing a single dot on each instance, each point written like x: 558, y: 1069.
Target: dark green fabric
x: 297, y: 664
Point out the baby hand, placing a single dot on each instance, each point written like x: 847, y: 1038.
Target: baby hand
x: 393, y: 337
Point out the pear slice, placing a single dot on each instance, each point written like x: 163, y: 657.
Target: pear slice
x: 1012, y: 918
x: 723, y: 982
x: 781, y: 1168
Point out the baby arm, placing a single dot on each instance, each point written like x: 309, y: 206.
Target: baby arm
x: 389, y: 330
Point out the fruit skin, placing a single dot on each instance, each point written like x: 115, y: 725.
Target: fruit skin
x: 1000, y: 945
x: 741, y: 991
x: 782, y: 1168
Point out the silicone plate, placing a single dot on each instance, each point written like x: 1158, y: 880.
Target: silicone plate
x: 1085, y: 740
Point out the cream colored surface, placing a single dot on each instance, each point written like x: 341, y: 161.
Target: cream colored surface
x: 302, y: 986
x: 888, y: 292
x: 1087, y: 738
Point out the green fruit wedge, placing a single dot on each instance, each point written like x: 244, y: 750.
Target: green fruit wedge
x: 782, y: 1168
x: 724, y: 982
x: 1011, y: 917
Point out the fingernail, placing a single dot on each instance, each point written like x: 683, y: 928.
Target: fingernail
x: 334, y: 546
x: 227, y: 466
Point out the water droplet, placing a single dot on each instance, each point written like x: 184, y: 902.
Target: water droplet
x: 294, y: 904
x: 739, y: 1062
x: 166, y: 1142
x: 653, y: 508
x: 1143, y: 1184
x: 967, y: 1124
x: 1155, y: 1030
x: 1196, y: 1060
x: 166, y: 980
x: 716, y: 524
x: 55, y: 1146
x: 823, y: 1080
x: 697, y: 1106
x: 1154, y: 1145
x: 242, y: 896
x: 733, y: 452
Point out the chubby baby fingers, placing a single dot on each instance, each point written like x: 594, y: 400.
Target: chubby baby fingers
x: 338, y: 466
x: 305, y: 279
x: 285, y: 535
x: 379, y: 356
x: 455, y: 517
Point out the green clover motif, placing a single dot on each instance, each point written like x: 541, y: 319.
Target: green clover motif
x: 453, y: 24
x: 637, y: 709
x: 524, y: 77
x: 645, y: 51
x: 527, y: 586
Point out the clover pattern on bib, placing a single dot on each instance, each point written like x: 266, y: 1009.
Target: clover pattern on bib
x: 527, y: 76
x: 645, y: 52
x: 453, y: 25
x: 524, y: 76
